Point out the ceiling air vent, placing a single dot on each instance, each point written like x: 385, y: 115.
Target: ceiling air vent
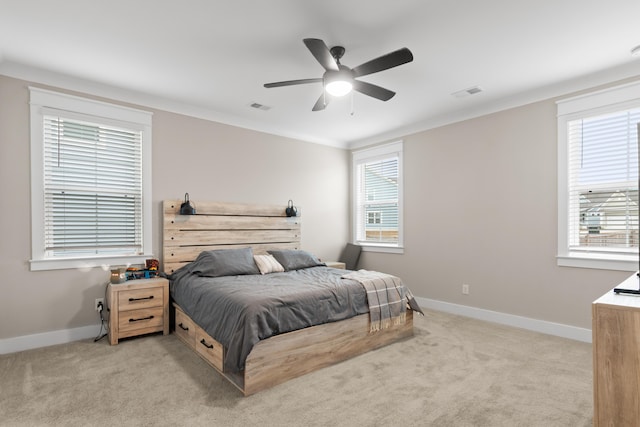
x: 466, y: 92
x: 260, y: 106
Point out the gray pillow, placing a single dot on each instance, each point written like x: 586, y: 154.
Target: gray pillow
x: 292, y: 259
x: 225, y: 262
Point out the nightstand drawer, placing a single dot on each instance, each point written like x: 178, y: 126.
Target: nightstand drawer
x: 141, y: 319
x: 185, y: 329
x: 140, y: 298
x: 209, y: 348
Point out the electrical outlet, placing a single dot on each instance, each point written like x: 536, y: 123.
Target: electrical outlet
x: 465, y: 289
x: 99, y: 303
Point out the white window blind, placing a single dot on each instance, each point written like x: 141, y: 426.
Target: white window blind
x: 92, y: 188
x: 603, y: 182
x: 378, y: 189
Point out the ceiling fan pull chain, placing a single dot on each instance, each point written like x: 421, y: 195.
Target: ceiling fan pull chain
x: 352, y: 103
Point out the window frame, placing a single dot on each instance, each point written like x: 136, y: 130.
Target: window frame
x: 368, y: 154
x: 42, y: 102
x: 596, y: 103
x: 376, y: 216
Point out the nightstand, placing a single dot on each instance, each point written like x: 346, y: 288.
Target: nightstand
x: 336, y: 264
x: 138, y: 307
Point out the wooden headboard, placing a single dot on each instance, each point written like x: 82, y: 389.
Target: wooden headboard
x: 219, y: 225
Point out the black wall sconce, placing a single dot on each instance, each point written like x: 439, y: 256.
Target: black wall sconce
x: 186, y: 208
x: 291, y: 210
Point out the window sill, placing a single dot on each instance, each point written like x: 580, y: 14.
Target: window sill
x: 86, y: 263
x: 382, y: 248
x: 599, y: 261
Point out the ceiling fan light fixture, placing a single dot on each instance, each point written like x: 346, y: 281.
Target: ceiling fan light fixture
x: 338, y: 88
x: 338, y: 83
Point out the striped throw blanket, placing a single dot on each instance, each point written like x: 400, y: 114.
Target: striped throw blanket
x: 387, y: 298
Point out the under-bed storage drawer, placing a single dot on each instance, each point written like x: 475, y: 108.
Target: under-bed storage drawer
x: 185, y: 329
x: 210, y: 349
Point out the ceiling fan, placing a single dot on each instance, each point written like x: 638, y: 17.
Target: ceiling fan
x: 338, y: 79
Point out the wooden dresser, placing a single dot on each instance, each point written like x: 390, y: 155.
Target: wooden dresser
x: 138, y: 307
x: 616, y: 358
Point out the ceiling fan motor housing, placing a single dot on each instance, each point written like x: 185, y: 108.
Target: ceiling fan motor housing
x: 343, y: 74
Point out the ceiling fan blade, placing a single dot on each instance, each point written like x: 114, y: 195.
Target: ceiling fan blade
x: 321, y: 52
x: 322, y: 102
x: 293, y: 82
x: 390, y: 60
x: 372, y: 90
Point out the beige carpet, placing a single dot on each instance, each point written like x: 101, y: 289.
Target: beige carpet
x: 455, y: 372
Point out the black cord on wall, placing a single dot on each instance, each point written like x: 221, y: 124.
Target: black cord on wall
x: 103, y: 319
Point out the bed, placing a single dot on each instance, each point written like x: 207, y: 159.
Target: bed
x: 254, y: 358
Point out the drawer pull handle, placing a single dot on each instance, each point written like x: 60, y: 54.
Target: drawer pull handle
x: 184, y: 328
x: 142, y: 318
x: 204, y: 343
x: 140, y: 299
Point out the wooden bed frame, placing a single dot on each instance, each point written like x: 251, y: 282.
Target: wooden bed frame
x: 282, y: 357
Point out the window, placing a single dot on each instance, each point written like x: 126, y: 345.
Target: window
x: 598, y: 179
x: 91, y: 182
x: 374, y: 218
x: 378, y: 197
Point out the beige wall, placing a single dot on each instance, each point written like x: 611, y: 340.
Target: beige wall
x: 481, y: 209
x: 209, y: 160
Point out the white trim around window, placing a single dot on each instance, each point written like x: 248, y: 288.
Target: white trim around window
x: 585, y: 106
x: 44, y: 102
x: 392, y: 154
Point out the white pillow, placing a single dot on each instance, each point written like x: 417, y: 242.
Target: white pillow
x: 267, y: 264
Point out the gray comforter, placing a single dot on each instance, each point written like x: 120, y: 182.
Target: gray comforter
x: 239, y: 311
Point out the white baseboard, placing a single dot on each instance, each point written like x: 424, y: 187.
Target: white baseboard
x: 45, y: 339
x: 27, y: 342
x: 550, y: 328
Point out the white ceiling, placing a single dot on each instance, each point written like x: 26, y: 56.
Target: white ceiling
x: 210, y: 58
